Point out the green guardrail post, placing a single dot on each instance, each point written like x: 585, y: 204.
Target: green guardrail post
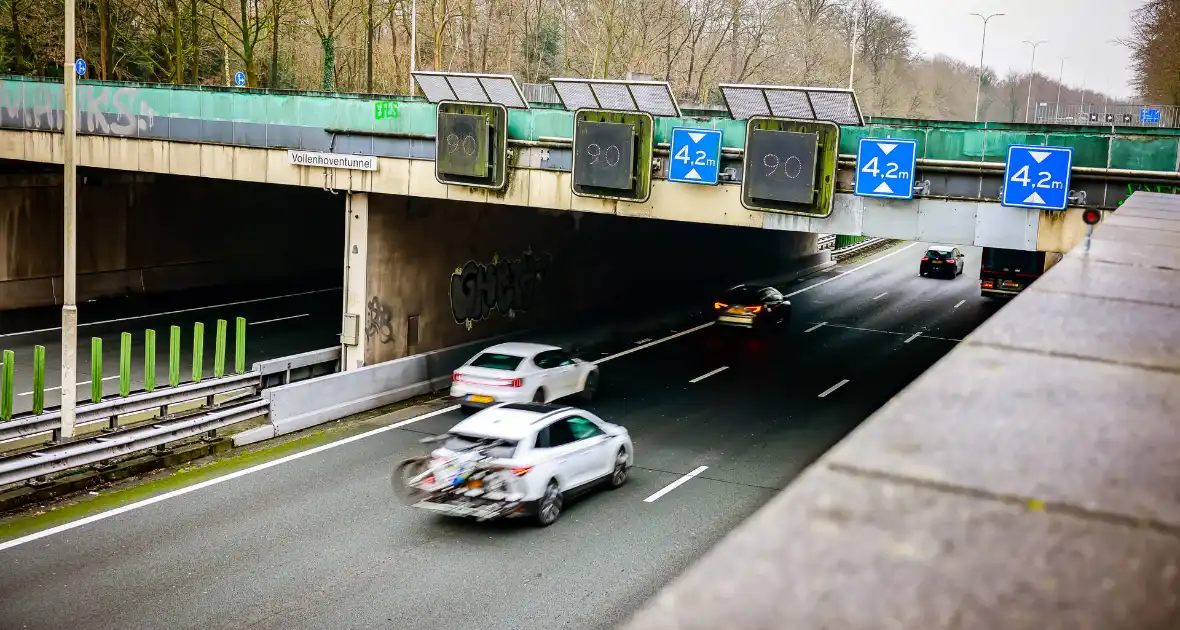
x: 240, y: 347
x: 149, y: 360
x: 125, y: 364
x: 95, y: 369
x: 6, y: 375
x: 198, y: 351
x: 219, y: 350
x: 38, y: 379
x: 174, y: 356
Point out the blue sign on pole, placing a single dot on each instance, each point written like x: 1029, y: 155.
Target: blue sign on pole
x: 885, y: 168
x: 1037, y: 177
x: 696, y: 156
x: 1149, y: 116
x: 80, y: 66
x: 240, y: 79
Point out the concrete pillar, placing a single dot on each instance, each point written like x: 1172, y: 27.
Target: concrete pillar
x: 356, y: 256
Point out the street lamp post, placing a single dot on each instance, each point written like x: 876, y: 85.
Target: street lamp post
x: 982, y: 44
x: 1060, y: 78
x: 69, y: 307
x: 852, y: 46
x: 1031, y: 73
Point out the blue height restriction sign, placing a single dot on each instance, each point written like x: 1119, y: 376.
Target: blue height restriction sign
x: 885, y: 168
x: 696, y: 156
x: 1037, y: 177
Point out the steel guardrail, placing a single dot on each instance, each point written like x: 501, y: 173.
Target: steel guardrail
x: 63, y: 457
x: 114, y: 407
x: 853, y: 249
x: 826, y: 241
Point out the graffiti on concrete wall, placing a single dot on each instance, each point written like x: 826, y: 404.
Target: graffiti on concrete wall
x: 378, y: 321
x: 509, y: 286
x: 1155, y: 188
x: 39, y: 107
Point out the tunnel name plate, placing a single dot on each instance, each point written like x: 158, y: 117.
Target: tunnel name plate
x: 332, y: 160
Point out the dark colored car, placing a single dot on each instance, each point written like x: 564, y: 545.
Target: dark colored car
x: 942, y: 261
x: 758, y: 307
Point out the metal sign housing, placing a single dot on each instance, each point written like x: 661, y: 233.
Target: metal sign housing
x: 613, y: 154
x: 471, y: 144
x: 790, y: 166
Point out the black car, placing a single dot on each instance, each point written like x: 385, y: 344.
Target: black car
x: 758, y: 307
x: 942, y: 261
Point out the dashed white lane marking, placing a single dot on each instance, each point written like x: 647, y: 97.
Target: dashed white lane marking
x: 853, y: 270
x: 833, y: 388
x: 643, y: 341
x: 668, y: 488
x: 815, y: 327
x: 708, y: 374
x: 881, y: 296
x: 961, y: 302
x: 890, y: 332
x: 278, y: 319
x: 183, y: 310
x: 219, y: 480
x: 914, y: 336
x: 653, y: 343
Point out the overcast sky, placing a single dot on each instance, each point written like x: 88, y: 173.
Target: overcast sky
x: 1081, y: 30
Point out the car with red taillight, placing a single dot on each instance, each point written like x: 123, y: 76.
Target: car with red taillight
x: 522, y: 372
x: 943, y: 261
x: 752, y: 306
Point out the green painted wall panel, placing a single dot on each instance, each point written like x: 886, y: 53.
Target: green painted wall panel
x: 249, y: 107
x: 217, y: 105
x: 182, y: 104
x: 1143, y: 153
x: 997, y: 143
x: 318, y: 112
x: 1088, y: 150
x: 951, y: 144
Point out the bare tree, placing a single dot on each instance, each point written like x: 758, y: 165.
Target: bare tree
x: 240, y: 26
x: 329, y: 18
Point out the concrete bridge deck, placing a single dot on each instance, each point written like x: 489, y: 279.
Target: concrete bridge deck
x: 242, y: 135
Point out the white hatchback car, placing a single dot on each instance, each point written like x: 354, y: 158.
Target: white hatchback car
x: 554, y: 452
x: 522, y: 372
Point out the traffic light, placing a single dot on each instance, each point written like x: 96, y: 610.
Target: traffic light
x: 1091, y: 216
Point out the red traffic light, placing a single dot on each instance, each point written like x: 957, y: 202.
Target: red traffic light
x: 1091, y: 216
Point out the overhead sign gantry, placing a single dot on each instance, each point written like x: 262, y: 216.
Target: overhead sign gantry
x: 614, y: 134
x: 471, y: 136
x: 792, y: 143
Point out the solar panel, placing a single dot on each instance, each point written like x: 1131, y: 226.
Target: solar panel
x: 803, y: 103
x: 500, y: 89
x: 652, y: 97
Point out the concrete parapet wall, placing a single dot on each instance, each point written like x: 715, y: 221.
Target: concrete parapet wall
x: 161, y: 233
x: 1026, y: 481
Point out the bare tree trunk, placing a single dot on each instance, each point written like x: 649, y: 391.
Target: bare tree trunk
x: 195, y: 42
x: 177, y: 42
x: 104, y: 25
x: 272, y: 75
x: 369, y: 49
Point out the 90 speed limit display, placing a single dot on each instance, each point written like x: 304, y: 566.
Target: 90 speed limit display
x: 612, y: 154
x: 789, y: 165
x: 470, y: 144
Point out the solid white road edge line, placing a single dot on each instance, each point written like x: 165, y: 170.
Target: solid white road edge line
x: 218, y: 480
x: 79, y: 384
x: 853, y: 270
x: 833, y: 388
x: 183, y: 310
x: 278, y: 319
x: 815, y: 327
x: 708, y: 374
x: 654, y: 343
x: 670, y: 487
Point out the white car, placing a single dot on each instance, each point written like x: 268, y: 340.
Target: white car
x: 522, y: 372
x: 547, y: 453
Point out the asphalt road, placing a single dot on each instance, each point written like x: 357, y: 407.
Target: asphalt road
x: 280, y: 322
x: 320, y: 542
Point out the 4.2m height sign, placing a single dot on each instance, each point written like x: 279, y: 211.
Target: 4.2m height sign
x: 696, y: 156
x: 1037, y: 177
x: 885, y: 168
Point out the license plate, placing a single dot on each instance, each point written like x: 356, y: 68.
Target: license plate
x: 1010, y: 285
x: 479, y: 399
x: 734, y: 320
x: 475, y: 483
x: 936, y: 262
x: 737, y: 311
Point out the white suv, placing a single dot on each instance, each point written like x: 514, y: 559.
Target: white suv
x: 551, y: 452
x: 522, y: 372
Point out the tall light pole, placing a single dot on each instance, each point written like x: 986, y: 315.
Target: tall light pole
x: 1060, y: 78
x: 69, y: 307
x: 982, y: 44
x: 852, y: 45
x: 413, y: 44
x: 1031, y: 73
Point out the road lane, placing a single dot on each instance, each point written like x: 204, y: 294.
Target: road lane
x: 320, y: 542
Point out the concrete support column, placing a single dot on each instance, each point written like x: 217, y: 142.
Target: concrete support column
x: 356, y: 257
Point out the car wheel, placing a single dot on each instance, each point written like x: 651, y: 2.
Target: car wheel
x: 590, y: 389
x: 549, y: 507
x: 539, y: 397
x: 618, y: 475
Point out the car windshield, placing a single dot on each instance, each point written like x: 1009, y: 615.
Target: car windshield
x: 496, y: 361
x: 742, y: 295
x: 457, y: 442
x: 938, y: 253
